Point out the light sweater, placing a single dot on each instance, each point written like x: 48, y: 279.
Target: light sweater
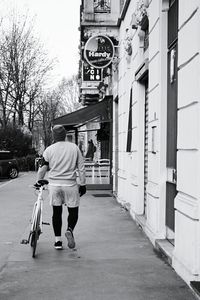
x: 65, y: 159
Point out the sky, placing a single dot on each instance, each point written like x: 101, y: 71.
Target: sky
x: 56, y: 22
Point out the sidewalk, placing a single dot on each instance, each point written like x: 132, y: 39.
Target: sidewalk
x: 113, y: 260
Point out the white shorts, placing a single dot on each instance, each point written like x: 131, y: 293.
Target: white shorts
x: 68, y: 195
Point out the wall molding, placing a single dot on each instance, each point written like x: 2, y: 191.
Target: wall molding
x: 188, y: 19
x: 187, y: 206
x: 188, y: 61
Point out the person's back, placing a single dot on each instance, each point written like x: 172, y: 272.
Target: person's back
x: 64, y: 160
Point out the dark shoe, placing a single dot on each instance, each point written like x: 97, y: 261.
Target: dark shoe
x: 70, y: 239
x: 58, y: 245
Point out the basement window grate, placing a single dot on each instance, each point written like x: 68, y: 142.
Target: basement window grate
x: 102, y: 195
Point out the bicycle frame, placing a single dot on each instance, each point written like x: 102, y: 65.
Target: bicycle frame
x: 38, y: 209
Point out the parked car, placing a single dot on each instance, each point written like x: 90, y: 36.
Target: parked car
x: 8, y: 165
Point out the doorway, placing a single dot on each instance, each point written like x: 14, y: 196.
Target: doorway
x: 146, y: 124
x: 116, y: 148
x: 172, y: 84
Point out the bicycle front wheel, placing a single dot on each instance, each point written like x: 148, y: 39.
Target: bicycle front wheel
x: 34, y: 239
x: 35, y: 235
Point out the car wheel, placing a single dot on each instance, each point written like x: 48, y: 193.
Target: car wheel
x: 13, y: 173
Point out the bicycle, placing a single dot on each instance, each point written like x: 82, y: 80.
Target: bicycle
x: 36, y: 219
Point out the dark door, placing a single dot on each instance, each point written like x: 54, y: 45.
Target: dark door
x: 172, y: 112
x: 116, y: 149
x: 146, y: 123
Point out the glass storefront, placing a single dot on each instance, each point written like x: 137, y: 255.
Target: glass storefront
x: 91, y: 129
x: 93, y: 140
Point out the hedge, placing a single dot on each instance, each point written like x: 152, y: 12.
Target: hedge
x: 26, y: 163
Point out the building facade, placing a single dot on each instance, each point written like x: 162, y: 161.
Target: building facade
x: 154, y: 83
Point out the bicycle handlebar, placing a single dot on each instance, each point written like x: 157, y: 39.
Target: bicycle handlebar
x: 43, y: 182
x: 40, y: 183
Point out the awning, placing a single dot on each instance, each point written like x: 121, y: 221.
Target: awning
x: 84, y: 115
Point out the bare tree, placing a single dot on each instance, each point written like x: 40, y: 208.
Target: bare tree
x: 49, y: 107
x: 69, y: 90
x: 23, y: 68
x: 55, y: 103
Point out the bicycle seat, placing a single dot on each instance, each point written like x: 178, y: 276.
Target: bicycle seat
x: 43, y: 182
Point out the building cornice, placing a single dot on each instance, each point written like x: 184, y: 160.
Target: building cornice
x: 95, y: 24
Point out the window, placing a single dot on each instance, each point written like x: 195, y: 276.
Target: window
x: 102, y: 6
x: 145, y: 28
x: 153, y: 141
x: 172, y: 68
x: 171, y: 2
x: 5, y: 155
x: 129, y: 135
x: 146, y: 39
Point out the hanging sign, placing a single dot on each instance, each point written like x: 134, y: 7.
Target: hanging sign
x: 99, y: 51
x: 90, y: 73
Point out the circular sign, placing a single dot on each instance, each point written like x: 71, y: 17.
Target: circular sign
x: 99, y: 51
